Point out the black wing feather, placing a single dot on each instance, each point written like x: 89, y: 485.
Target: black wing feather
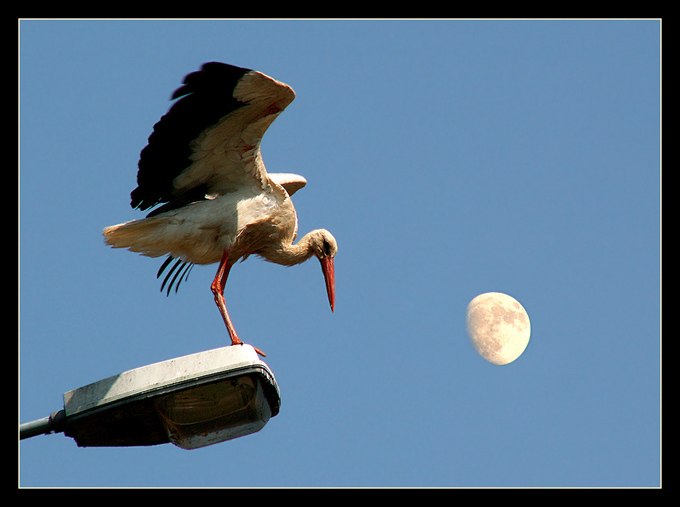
x: 172, y: 269
x: 205, y: 98
x: 181, y: 274
x: 185, y: 275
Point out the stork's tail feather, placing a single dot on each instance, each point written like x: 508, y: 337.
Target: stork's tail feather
x: 146, y: 237
x: 143, y: 236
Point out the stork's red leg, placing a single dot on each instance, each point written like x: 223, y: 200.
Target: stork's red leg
x: 217, y: 288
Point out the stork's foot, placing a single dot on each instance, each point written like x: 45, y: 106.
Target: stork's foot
x: 259, y: 352
x: 235, y: 341
x: 239, y: 342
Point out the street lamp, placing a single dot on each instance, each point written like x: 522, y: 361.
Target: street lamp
x: 192, y: 401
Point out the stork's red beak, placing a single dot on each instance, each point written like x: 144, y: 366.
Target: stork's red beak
x: 329, y: 275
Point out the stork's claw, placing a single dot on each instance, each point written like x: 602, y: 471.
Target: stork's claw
x: 239, y: 342
x: 260, y: 352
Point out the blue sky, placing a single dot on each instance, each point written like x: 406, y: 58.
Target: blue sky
x: 448, y: 158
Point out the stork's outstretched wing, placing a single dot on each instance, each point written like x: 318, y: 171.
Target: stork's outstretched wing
x: 209, y: 140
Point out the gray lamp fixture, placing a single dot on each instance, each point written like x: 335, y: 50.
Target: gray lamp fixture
x: 192, y: 401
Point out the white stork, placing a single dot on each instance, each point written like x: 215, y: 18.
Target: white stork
x: 204, y: 168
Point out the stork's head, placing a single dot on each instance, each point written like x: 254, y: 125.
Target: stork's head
x: 325, y: 247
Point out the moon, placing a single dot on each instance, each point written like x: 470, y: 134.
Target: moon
x: 498, y: 326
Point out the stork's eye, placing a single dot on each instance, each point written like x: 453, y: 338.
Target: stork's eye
x: 326, y: 247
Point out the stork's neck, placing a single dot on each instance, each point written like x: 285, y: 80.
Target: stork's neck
x: 289, y: 254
